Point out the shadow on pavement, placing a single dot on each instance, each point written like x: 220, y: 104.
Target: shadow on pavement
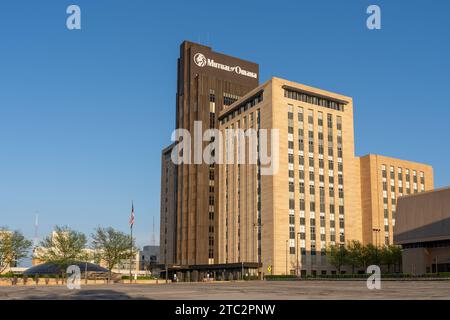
x: 84, y: 295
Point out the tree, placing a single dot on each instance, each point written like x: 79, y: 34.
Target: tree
x: 396, y: 252
x: 13, y: 247
x: 370, y: 255
x: 112, y: 246
x: 337, y: 256
x: 64, y: 247
x: 387, y: 257
x: 354, y: 254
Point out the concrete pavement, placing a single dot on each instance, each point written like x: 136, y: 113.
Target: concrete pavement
x: 258, y: 290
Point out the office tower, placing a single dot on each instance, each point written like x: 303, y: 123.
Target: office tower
x: 312, y: 201
x: 231, y: 218
x: 320, y: 196
x: 208, y: 82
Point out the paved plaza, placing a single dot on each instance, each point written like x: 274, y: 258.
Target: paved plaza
x: 259, y: 290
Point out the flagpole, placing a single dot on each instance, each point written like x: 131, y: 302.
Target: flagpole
x: 131, y: 242
x: 131, y: 251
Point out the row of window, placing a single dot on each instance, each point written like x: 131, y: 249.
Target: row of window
x: 312, y: 233
x: 238, y: 213
x: 313, y: 99
x: 241, y: 108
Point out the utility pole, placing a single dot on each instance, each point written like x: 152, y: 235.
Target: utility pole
x: 131, y: 239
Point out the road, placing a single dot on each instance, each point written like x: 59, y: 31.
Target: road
x: 258, y: 290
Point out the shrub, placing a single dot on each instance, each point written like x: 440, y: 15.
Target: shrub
x: 139, y: 278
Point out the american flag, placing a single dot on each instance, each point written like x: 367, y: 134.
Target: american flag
x: 132, y: 215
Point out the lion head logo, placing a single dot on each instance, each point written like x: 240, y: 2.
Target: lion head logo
x: 200, y: 59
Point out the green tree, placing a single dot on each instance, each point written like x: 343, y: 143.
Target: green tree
x: 337, y: 256
x: 13, y: 247
x: 112, y: 246
x: 387, y: 257
x: 354, y: 254
x: 370, y: 255
x: 64, y: 247
x: 396, y: 252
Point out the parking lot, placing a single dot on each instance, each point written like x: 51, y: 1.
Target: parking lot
x: 259, y: 290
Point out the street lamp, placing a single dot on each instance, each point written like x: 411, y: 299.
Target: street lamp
x: 377, y: 231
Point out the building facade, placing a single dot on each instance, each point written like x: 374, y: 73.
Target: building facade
x: 383, y: 181
x: 237, y: 214
x: 168, y: 212
x: 321, y: 195
x: 423, y: 230
x: 288, y: 219
x: 207, y: 83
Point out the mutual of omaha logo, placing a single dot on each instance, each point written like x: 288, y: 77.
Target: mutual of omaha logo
x: 201, y: 61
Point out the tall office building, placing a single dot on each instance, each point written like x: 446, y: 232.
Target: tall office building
x: 320, y: 196
x: 208, y: 82
x: 301, y: 209
x: 230, y: 218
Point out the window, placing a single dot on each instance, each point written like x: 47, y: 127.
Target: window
x: 291, y: 158
x: 302, y: 187
x: 302, y: 204
x: 301, y: 160
x: 321, y: 163
x: 291, y: 204
x: 300, y: 115
x: 291, y: 219
x: 291, y: 232
x: 339, y: 123
x: 310, y: 117
x: 329, y: 121
x: 313, y: 99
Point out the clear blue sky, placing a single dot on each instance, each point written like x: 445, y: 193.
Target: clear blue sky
x: 85, y: 114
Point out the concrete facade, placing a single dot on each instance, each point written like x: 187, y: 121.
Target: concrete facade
x: 207, y: 82
x: 168, y: 213
x: 384, y: 181
x: 423, y: 230
x: 321, y: 195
